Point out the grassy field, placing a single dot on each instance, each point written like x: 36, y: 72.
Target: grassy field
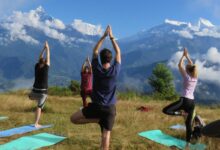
x: 128, y: 123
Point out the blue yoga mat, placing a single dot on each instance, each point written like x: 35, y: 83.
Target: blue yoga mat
x: 3, y: 118
x: 167, y: 140
x: 32, y: 142
x: 21, y: 130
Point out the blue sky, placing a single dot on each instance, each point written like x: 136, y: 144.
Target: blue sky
x: 127, y: 17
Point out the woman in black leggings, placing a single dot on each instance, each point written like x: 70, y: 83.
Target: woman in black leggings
x: 185, y: 105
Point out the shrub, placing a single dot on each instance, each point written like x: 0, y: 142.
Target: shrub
x: 161, y: 81
x: 59, y: 91
x: 74, y: 87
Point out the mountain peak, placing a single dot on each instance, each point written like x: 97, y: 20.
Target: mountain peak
x: 174, y: 22
x: 205, y: 23
x: 40, y: 9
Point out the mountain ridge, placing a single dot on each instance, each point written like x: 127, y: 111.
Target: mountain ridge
x: 22, y: 35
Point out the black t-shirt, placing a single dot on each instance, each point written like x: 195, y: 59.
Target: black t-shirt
x: 41, y: 77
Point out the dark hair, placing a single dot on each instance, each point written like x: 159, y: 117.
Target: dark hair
x: 41, y: 61
x: 105, y: 56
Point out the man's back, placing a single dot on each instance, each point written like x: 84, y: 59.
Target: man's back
x: 104, y: 83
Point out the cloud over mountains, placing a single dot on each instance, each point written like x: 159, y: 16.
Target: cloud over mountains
x: 18, y: 22
x: 208, y: 65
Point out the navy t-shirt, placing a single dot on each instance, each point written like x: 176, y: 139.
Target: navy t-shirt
x: 104, y: 83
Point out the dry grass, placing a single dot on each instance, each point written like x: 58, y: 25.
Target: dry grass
x: 129, y: 122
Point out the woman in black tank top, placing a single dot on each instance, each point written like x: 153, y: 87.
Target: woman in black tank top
x: 40, y: 86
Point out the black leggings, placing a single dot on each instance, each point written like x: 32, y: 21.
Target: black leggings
x: 188, y: 106
x: 212, y: 129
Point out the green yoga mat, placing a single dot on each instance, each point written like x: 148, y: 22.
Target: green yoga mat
x: 167, y: 140
x: 3, y: 118
x: 32, y: 142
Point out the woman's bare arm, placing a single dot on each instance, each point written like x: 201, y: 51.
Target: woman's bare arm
x: 188, y: 57
x: 180, y: 65
x: 47, y: 53
x: 42, y: 53
x: 90, y: 65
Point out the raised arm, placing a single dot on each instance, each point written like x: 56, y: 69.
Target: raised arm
x: 47, y: 53
x: 99, y: 44
x: 187, y: 57
x: 83, y: 66
x: 90, y: 65
x: 180, y: 65
x: 115, y: 46
x: 42, y: 53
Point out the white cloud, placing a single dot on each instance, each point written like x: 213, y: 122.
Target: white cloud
x: 16, y: 25
x: 174, y: 22
x: 184, y: 33
x: 208, y: 65
x: 213, y: 55
x: 55, y: 23
x: 174, y: 60
x: 208, y: 32
x: 208, y: 73
x: 17, y: 32
x: 18, y: 20
x: 86, y: 28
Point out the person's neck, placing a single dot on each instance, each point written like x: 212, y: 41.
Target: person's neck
x: 106, y: 66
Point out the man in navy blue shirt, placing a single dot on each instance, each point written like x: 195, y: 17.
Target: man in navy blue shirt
x: 102, y: 110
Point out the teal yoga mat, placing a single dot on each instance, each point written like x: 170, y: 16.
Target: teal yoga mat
x: 32, y: 142
x: 3, y: 118
x: 167, y: 140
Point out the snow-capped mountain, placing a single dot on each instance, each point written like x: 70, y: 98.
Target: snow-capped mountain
x: 18, y: 24
x: 162, y: 43
x: 23, y: 33
x: 22, y: 36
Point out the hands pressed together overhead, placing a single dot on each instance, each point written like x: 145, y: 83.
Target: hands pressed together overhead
x: 185, y: 52
x: 46, y: 45
x: 108, y: 32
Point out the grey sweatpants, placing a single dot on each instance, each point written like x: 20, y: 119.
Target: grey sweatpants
x: 39, y: 97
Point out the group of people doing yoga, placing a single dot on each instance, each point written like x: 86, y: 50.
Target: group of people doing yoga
x: 99, y: 82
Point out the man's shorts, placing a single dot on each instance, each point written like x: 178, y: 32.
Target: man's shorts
x: 105, y: 114
x: 39, y: 97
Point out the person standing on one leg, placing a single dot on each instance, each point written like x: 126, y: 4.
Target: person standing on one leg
x: 86, y: 81
x: 186, y: 102
x: 39, y: 91
x: 102, y: 110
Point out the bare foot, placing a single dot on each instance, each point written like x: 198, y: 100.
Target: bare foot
x: 38, y: 126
